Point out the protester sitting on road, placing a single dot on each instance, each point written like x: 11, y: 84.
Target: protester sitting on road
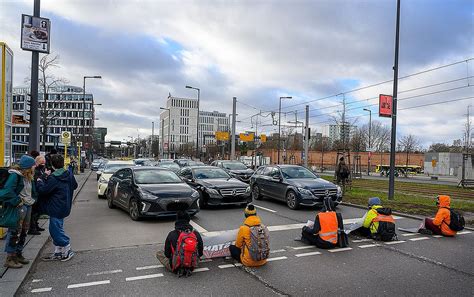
x: 58, y: 187
x: 19, y: 193
x: 183, y: 247
x: 35, y: 211
x: 378, y: 222
x: 342, y: 172
x: 440, y: 224
x: 324, y: 232
x: 252, y: 246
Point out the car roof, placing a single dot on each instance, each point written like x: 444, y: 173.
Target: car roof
x: 203, y: 166
x: 136, y: 168
x: 120, y: 162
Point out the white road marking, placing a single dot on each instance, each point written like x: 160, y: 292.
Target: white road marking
x: 197, y: 227
x: 278, y: 251
x: 395, y: 242
x: 149, y: 267
x: 105, y: 272
x: 264, y: 208
x: 276, y: 258
x: 41, y: 290
x: 238, y: 264
x: 201, y: 269
x: 368, y: 245
x: 303, y: 247
x: 148, y: 276
x: 464, y: 232
x: 419, y: 238
x: 362, y: 240
x: 36, y: 280
x: 437, y: 236
x: 226, y: 266
x: 410, y: 234
x: 104, y: 282
x: 285, y: 227
x: 340, y: 250
x: 308, y: 254
x: 205, y: 261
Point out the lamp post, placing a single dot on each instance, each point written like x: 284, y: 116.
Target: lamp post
x: 197, y: 120
x: 169, y: 124
x: 84, y: 107
x: 279, y: 126
x: 370, y: 147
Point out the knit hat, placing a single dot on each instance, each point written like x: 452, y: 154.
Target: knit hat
x: 26, y: 162
x: 250, y: 210
x: 374, y: 201
x: 183, y: 216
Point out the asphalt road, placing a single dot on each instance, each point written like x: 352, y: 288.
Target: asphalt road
x: 115, y: 257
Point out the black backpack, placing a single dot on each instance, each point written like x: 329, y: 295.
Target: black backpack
x: 457, y: 221
x: 386, y: 230
x: 344, y: 171
x: 4, y: 174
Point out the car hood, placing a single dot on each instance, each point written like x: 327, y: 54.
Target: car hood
x: 168, y: 190
x: 222, y: 183
x: 243, y: 171
x: 310, y: 183
x: 106, y: 176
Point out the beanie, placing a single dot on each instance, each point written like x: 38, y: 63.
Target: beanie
x: 182, y: 216
x: 374, y: 201
x: 250, y: 210
x: 26, y: 162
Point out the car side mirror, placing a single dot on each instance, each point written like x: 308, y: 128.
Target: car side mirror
x: 276, y: 177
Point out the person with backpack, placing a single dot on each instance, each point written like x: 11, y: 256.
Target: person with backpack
x: 18, y: 193
x: 378, y: 222
x: 327, y: 228
x: 57, y: 191
x: 252, y: 246
x: 342, y: 172
x: 447, y: 222
x: 183, y: 247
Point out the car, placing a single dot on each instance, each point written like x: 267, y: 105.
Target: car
x: 96, y: 163
x: 295, y: 185
x: 101, y: 168
x: 182, y: 162
x: 142, y: 162
x: 216, y: 186
x: 166, y: 160
x: 236, y: 169
x: 150, y: 192
x: 110, y: 168
x: 169, y: 165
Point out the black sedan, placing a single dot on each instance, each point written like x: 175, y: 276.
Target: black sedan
x: 235, y: 168
x: 294, y: 185
x: 150, y: 191
x: 215, y: 186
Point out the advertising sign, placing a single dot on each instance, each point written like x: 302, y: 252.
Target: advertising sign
x: 222, y: 136
x: 385, y: 106
x: 35, y: 33
x: 246, y: 137
x: 263, y: 138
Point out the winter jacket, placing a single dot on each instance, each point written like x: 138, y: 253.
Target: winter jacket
x: 57, y: 192
x: 243, y: 241
x: 369, y: 217
x: 9, y: 194
x: 443, y: 216
x: 172, y: 239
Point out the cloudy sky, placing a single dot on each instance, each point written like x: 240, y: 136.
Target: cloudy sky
x: 258, y: 51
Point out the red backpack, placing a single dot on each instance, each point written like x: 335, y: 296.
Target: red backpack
x: 185, y: 258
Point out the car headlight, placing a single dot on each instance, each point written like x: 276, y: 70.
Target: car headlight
x: 212, y: 191
x: 247, y: 190
x: 195, y: 194
x: 147, y: 195
x: 305, y: 191
x: 339, y: 190
x: 102, y: 180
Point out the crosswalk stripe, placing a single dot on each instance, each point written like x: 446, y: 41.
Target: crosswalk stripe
x: 277, y: 258
x: 368, y: 245
x: 148, y: 276
x: 303, y: 247
x: 419, y: 238
x: 340, y: 250
x: 149, y: 267
x: 41, y: 290
x: 308, y: 254
x: 395, y: 242
x: 201, y: 269
x: 81, y: 285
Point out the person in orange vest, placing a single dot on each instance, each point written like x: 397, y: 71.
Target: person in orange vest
x: 324, y: 233
x: 440, y: 224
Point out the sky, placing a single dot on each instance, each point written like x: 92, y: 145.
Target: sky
x: 315, y: 51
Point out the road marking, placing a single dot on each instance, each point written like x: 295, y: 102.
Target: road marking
x: 437, y: 236
x: 276, y: 259
x: 104, y: 282
x: 362, y: 240
x: 238, y: 264
x: 277, y: 251
x: 148, y: 276
x: 105, y: 272
x: 197, y: 227
x: 205, y: 261
x: 201, y: 269
x: 226, y: 266
x: 308, y: 254
x: 285, y: 227
x: 395, y: 242
x: 464, y: 232
x: 36, y: 280
x: 149, y: 267
x: 41, y: 290
x: 340, y: 250
x: 410, y: 234
x: 419, y: 238
x: 264, y: 208
x: 303, y: 247
x: 368, y: 245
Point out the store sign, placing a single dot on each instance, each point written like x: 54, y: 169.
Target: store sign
x: 385, y: 106
x: 35, y: 34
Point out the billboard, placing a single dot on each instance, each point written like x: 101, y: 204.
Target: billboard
x: 385, y: 106
x: 35, y: 33
x: 246, y: 137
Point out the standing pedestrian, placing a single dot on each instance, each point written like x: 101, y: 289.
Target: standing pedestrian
x: 35, y: 229
x: 58, y: 187
x: 342, y: 172
x: 19, y: 190
x: 48, y: 156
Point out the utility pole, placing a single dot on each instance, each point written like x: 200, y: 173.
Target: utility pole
x: 152, y: 135
x: 391, y: 182
x: 232, y: 132
x: 162, y: 138
x: 343, y: 122
x: 306, y: 138
x: 370, y: 147
x: 468, y: 131
x: 279, y: 127
x: 34, y: 138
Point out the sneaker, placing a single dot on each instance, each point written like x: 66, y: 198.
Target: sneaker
x: 53, y: 257
x: 12, y: 263
x: 20, y: 259
x: 425, y: 231
x: 68, y: 256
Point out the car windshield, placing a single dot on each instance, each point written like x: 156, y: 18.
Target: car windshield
x: 234, y: 166
x: 168, y: 165
x: 207, y: 173
x: 296, y: 172
x: 156, y: 177
x: 112, y: 168
x: 195, y: 163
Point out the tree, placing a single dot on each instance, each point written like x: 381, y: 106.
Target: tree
x: 439, y: 148
x: 409, y: 144
x: 357, y: 142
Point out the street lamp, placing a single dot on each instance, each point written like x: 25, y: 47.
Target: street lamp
x: 197, y: 121
x: 84, y: 107
x: 279, y: 126
x: 370, y: 147
x: 169, y: 124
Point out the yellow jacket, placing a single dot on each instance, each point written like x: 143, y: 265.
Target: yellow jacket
x: 243, y: 241
x: 369, y: 217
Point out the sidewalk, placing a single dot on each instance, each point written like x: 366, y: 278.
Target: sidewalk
x: 11, y: 279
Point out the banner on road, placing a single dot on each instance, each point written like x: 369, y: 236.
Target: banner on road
x: 218, y: 246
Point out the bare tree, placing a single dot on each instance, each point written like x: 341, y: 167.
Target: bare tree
x: 467, y: 132
x: 409, y: 144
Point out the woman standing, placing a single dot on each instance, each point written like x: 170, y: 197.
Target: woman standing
x: 20, y: 189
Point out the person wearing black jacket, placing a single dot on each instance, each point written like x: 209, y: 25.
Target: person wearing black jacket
x: 48, y: 159
x: 35, y: 212
x: 182, y: 224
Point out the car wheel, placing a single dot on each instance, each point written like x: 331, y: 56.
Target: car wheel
x: 110, y: 202
x: 202, y: 200
x: 256, y: 193
x: 292, y: 200
x: 133, y: 210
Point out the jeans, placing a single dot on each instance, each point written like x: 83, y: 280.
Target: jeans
x: 56, y: 230
x: 15, y: 241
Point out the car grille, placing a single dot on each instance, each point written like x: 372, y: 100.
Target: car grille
x: 230, y: 192
x: 322, y: 192
x: 177, y: 206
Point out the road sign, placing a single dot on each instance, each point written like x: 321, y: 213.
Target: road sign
x: 66, y: 137
x: 263, y: 138
x: 246, y: 137
x: 35, y: 33
x: 222, y: 136
x: 79, y: 143
x: 385, y: 106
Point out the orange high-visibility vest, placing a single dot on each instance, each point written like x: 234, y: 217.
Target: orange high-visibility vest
x: 329, y: 226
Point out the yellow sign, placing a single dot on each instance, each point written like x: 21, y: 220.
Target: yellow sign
x: 222, y: 136
x: 66, y: 137
x: 433, y: 163
x: 246, y: 137
x: 263, y: 138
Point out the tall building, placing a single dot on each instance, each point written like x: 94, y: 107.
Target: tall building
x: 337, y: 132
x: 63, y: 112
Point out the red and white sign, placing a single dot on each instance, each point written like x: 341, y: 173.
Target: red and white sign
x: 385, y: 106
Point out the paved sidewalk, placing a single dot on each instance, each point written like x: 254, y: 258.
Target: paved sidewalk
x: 11, y: 279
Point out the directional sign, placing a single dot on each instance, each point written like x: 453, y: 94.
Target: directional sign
x: 222, y: 135
x: 263, y: 138
x: 66, y: 137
